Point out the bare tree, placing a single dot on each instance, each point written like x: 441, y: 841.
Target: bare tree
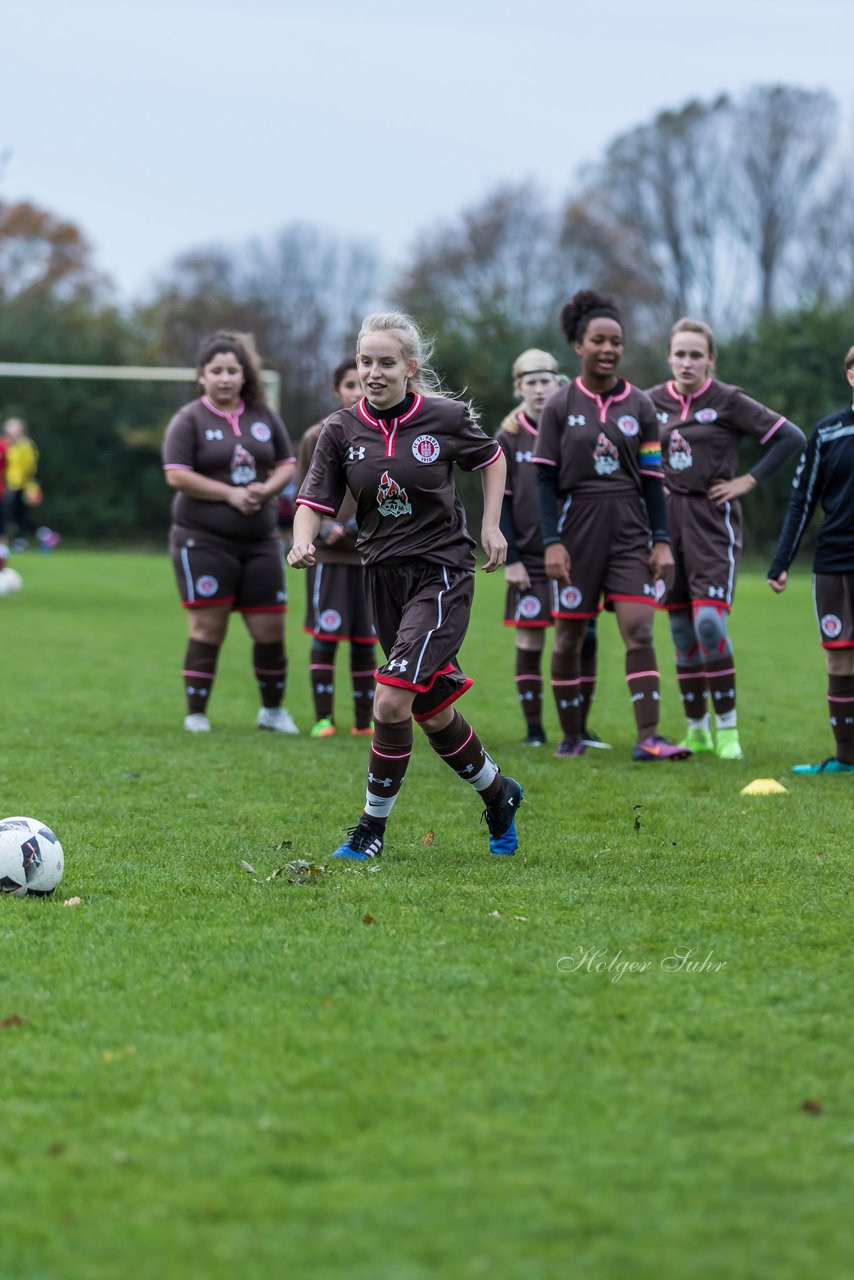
x: 41, y: 253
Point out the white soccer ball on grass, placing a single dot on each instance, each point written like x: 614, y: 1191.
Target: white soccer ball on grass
x: 31, y: 858
x: 10, y: 581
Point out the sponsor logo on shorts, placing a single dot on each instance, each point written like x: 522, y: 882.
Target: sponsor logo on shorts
x: 628, y: 425
x: 570, y: 597
x: 706, y: 415
x: 260, y: 431
x: 831, y: 625
x: 206, y: 586
x: 392, y: 498
x: 425, y: 449
x: 529, y: 607
x: 330, y: 620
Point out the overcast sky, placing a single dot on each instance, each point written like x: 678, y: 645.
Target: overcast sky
x: 165, y: 125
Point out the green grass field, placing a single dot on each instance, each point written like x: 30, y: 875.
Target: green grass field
x: 393, y: 1072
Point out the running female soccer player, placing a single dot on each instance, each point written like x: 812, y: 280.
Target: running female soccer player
x: 228, y: 455
x: 395, y: 451
x: 826, y: 475
x: 702, y: 422
x: 529, y: 593
x: 336, y: 605
x: 603, y: 519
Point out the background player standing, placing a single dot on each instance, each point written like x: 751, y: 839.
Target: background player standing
x: 826, y: 476
x: 529, y: 594
x: 603, y: 518
x: 702, y: 422
x: 22, y: 460
x: 228, y: 455
x: 395, y: 451
x: 336, y: 603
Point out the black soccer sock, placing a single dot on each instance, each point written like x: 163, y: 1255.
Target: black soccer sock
x: 589, y: 656
x: 271, y: 671
x: 363, y: 661
x: 692, y: 690
x: 199, y: 673
x: 529, y: 685
x: 720, y: 677
x: 462, y: 750
x: 566, y: 687
x: 644, y: 683
x: 391, y: 747
x: 840, y: 700
x: 322, y: 673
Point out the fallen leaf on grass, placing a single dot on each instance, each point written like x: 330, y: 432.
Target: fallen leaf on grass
x: 523, y: 918
x: 72, y: 902
x: 56, y: 1149
x: 14, y: 1020
x: 819, y: 857
x: 116, y: 1055
x: 247, y: 867
x: 299, y: 872
x: 368, y: 920
x: 812, y: 1107
x: 429, y: 838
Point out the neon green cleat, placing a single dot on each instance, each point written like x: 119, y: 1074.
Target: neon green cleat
x: 727, y: 746
x: 323, y: 729
x: 698, y: 740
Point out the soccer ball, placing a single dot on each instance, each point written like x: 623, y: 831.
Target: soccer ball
x: 31, y: 858
x: 10, y: 581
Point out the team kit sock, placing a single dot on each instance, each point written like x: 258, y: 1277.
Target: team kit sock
x: 362, y: 664
x: 322, y: 675
x: 529, y: 685
x: 644, y: 682
x: 840, y: 700
x: 566, y: 687
x: 271, y: 671
x: 199, y: 674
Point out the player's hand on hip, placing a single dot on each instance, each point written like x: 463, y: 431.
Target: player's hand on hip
x: 495, y: 545
x: 302, y: 555
x: 723, y: 491
x: 779, y: 583
x: 557, y: 562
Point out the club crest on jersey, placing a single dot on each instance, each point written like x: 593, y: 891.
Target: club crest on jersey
x: 425, y: 449
x: 242, y: 466
x: 260, y: 431
x: 570, y: 597
x: 831, y: 625
x: 606, y: 459
x: 392, y: 500
x: 330, y: 620
x: 655, y: 589
x: 706, y: 415
x: 628, y: 425
x: 206, y: 586
x: 679, y: 456
x: 529, y: 607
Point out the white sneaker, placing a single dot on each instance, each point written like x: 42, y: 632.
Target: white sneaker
x: 197, y: 723
x: 278, y: 719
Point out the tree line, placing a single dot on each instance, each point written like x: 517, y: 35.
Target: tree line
x: 736, y: 210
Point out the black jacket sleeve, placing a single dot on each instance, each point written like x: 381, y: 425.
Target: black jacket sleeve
x: 806, y: 491
x: 788, y: 441
x: 548, y: 495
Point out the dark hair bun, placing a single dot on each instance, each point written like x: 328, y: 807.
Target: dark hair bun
x: 583, y: 307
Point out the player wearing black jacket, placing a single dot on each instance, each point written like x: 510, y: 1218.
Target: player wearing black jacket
x: 826, y: 475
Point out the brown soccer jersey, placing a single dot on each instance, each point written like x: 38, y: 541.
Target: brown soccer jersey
x: 601, y: 445
x: 343, y: 550
x: 401, y: 474
x: 521, y: 488
x: 700, y: 432
x: 236, y: 449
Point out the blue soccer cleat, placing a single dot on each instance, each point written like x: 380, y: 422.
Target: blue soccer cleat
x: 363, y: 842
x: 827, y: 766
x: 500, y: 817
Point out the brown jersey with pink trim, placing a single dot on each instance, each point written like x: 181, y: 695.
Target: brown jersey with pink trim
x: 236, y: 448
x: 521, y: 486
x: 600, y: 444
x: 400, y: 473
x: 343, y: 549
x: 700, y: 433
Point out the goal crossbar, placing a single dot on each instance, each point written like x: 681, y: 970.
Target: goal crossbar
x: 127, y: 373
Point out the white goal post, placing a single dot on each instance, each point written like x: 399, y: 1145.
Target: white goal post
x: 128, y: 373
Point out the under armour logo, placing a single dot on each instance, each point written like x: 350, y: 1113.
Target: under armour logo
x: 662, y: 418
x: 576, y: 420
x: 213, y: 433
x: 525, y: 456
x: 356, y: 454
x: 716, y: 593
x: 400, y: 663
x: 383, y: 782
